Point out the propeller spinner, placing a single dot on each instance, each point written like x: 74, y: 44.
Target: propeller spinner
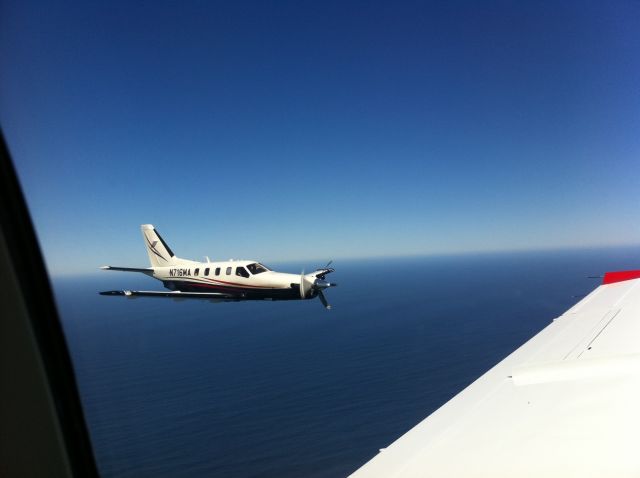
x: 311, y: 287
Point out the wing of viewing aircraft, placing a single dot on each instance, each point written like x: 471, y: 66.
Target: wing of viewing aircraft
x: 566, y: 403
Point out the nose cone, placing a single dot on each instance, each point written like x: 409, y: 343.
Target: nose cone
x: 321, y: 284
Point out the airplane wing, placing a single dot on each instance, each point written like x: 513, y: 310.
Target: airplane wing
x: 171, y: 294
x: 566, y: 403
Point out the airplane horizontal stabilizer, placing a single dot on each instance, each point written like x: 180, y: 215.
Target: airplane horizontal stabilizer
x: 144, y: 270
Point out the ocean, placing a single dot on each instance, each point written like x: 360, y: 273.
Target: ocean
x: 281, y: 389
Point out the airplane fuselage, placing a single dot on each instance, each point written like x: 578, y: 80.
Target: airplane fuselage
x: 231, y: 277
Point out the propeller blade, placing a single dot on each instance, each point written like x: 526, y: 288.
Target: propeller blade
x: 323, y: 299
x: 328, y: 264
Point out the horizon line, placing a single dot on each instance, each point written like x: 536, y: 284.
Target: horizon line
x: 416, y: 255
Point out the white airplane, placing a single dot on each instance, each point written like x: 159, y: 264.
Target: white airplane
x: 564, y: 404
x: 230, y: 280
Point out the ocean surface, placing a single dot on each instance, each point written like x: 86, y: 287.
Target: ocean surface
x: 287, y: 389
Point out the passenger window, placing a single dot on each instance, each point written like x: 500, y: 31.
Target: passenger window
x: 217, y: 271
x: 229, y: 271
x: 206, y: 271
x: 196, y: 272
x: 242, y: 272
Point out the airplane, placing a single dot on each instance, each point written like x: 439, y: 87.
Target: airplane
x: 232, y: 280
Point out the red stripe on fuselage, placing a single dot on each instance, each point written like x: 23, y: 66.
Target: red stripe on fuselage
x: 209, y: 286
x: 220, y: 287
x: 190, y: 280
x: 237, y: 284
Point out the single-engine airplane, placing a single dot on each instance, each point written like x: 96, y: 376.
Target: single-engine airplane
x: 233, y: 280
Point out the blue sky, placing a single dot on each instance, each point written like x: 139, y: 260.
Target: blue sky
x: 316, y: 130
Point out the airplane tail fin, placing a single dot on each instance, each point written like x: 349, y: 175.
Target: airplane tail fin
x: 160, y: 254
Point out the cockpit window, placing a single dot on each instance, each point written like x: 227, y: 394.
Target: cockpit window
x: 242, y: 272
x: 256, y: 268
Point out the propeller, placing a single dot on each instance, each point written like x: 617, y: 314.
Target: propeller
x: 323, y: 299
x: 311, y: 287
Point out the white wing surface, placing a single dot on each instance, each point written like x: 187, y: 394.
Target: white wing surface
x: 175, y: 294
x: 565, y: 404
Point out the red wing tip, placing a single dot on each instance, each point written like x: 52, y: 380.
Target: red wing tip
x: 620, y: 276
